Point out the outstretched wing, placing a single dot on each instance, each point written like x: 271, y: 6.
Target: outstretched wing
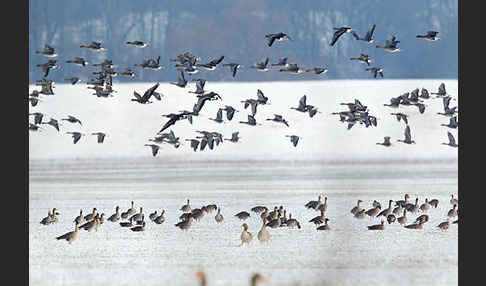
x: 270, y: 40
x: 149, y: 92
x: 262, y: 98
x: 452, y: 141
x: 369, y: 34
x: 336, y: 36
x: 302, y: 102
x: 408, y: 137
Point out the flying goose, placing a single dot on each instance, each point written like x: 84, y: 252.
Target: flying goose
x: 279, y: 118
x: 181, y: 81
x: 276, y: 37
x: 294, y: 139
x: 233, y: 67
x: 364, y: 58
x: 452, y: 141
x: 100, y: 136
x: 339, y: 32
x: 48, y: 51
x: 138, y: 44
x: 78, y: 61
x: 95, y: 46
x: 430, y: 36
x: 367, y: 37
x: 261, y: 66
x: 408, y: 137
x: 390, y: 45
x: 155, y: 148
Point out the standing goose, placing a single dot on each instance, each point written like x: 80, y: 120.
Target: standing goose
x: 452, y: 212
x: 413, y: 208
x: 185, y: 224
x: 292, y: 222
x: 380, y: 226
x: 70, y: 236
x: 245, y: 236
x: 80, y: 218
x: 319, y: 219
x: 116, y: 216
x: 48, y: 219
x: 357, y: 208
x: 138, y: 216
x: 398, y: 210
x: 373, y: 211
x: 92, y: 224
x: 263, y: 235
x: 425, y: 206
x: 453, y: 201
x: 376, y: 204
x: 219, y: 217
x: 153, y: 215
x: 444, y: 226
x: 403, y: 203
x: 160, y: 219
x: 325, y: 226
x: 403, y: 219
x: 360, y: 214
x: 129, y: 212
x: 141, y: 220
x: 434, y: 203
x: 387, y: 211
x: 274, y: 223
x: 186, y: 207
x: 415, y: 225
x: 90, y: 216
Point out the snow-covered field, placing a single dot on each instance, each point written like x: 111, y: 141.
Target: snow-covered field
x: 263, y: 169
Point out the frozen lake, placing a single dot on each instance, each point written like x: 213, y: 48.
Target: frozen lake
x: 263, y: 169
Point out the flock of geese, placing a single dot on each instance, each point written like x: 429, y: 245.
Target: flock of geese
x: 273, y: 219
x: 187, y: 63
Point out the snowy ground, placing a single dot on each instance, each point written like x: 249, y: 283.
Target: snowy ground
x: 264, y: 168
x: 129, y: 125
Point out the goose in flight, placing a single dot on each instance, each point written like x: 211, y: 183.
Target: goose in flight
x: 219, y: 116
x: 339, y: 32
x: 33, y: 127
x: 201, y: 99
x: 78, y: 61
x: 276, y: 37
x: 449, y: 112
x: 101, y: 136
x: 138, y: 44
x: 76, y: 136
x: 367, y: 37
x: 317, y: 70
x: 53, y: 122
x: 128, y: 72
x: 199, y: 86
x: 303, y: 107
x: 48, y: 51
x: 95, y: 46
x: 194, y: 143
x: 408, y: 137
x: 212, y: 65
x: 441, y: 91
x: 452, y: 123
x: 73, y: 80
x: 375, y: 71
x: 253, y: 103
x: 363, y: 58
x: 294, y: 139
x: 155, y: 148
x: 430, y: 36
x: 234, y: 137
x: 181, y: 81
x: 394, y: 102
x: 37, y: 117
x: 146, y: 96
x: 390, y: 45
x: 282, y: 62
x: 279, y: 118
x: 251, y: 121
x: 46, y: 67
x: 386, y: 142
x: 233, y: 67
x: 72, y: 119
x: 230, y: 111
x: 261, y: 66
x: 452, y: 141
x: 292, y: 68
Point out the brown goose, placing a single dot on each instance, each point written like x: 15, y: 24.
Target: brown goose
x: 242, y: 215
x: 219, y: 216
x: 376, y: 204
x: 139, y: 227
x: 325, y: 226
x: 90, y: 216
x: 357, y: 208
x: 197, y: 214
x: 92, y: 224
x: 361, y: 213
x: 373, y: 211
x: 387, y: 211
x: 186, y: 224
x: 129, y: 212
x: 314, y: 204
x: 380, y: 226
x: 403, y: 219
x: 444, y: 225
x: 319, y: 219
x: 127, y: 224
x: 273, y: 214
x: 48, y: 219
x: 185, y: 216
x: 323, y: 206
x: 70, y: 236
x: 292, y: 222
x: 211, y: 208
x: 423, y: 218
x: 452, y: 212
x: 186, y: 207
x: 160, y: 219
x: 415, y: 225
x: 274, y: 223
x: 263, y: 235
x: 141, y: 220
x: 264, y: 214
x: 259, y: 209
x: 116, y: 216
x: 79, y: 219
x: 413, y: 208
x: 453, y: 201
x: 425, y: 206
x: 138, y: 216
x: 246, y: 236
x: 403, y: 203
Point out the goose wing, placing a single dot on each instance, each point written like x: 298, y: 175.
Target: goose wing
x: 452, y: 141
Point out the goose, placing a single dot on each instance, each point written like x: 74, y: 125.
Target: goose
x: 218, y: 217
x: 390, y: 45
x: 360, y: 214
x: 245, y: 236
x: 423, y: 218
x: 48, y: 219
x: 294, y: 139
x: 212, y: 65
x: 415, y: 225
x: 404, y: 202
x: 444, y: 226
x: 357, y: 208
x: 78, y: 61
x: 319, y: 219
x: 243, y: 215
x: 219, y: 116
x: 401, y: 116
x: 452, y: 141
x: 70, y: 236
x: 146, y: 95
x: 131, y: 210
x: 408, y: 137
x: 263, y: 235
x: 403, y: 219
x: 141, y: 220
x: 92, y: 224
x: 387, y: 211
x: 155, y: 148
x: 317, y: 70
x: 46, y: 67
x: 128, y: 72
x: 453, y: 200
x: 233, y: 67
x: 376, y: 204
x: 274, y: 223
x: 279, y: 118
x: 380, y: 226
x: 292, y: 222
x: 452, y: 212
x: 373, y: 211
x: 434, y: 203
x: 116, y: 216
x: 186, y: 207
x: 276, y: 37
x: 80, y: 218
x: 413, y: 208
x: 127, y: 224
x: 282, y: 62
x: 160, y: 219
x: 452, y: 123
x: 48, y: 51
x: 138, y: 216
x: 425, y: 206
x: 325, y: 226
x: 251, y: 121
x: 259, y: 209
x: 72, y: 119
x: 292, y: 68
x: 261, y: 66
x: 90, y: 216
x: 314, y: 204
x: 398, y: 210
x: 138, y: 44
x: 181, y: 81
x: 185, y: 224
x: 100, y: 136
x: 197, y: 214
x: 323, y: 206
x: 430, y: 36
x: 53, y: 122
x: 95, y: 46
x: 367, y: 37
x: 386, y: 142
x: 153, y: 215
x: 138, y: 227
x: 212, y: 207
x: 363, y: 58
x: 339, y: 32
x: 375, y: 71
